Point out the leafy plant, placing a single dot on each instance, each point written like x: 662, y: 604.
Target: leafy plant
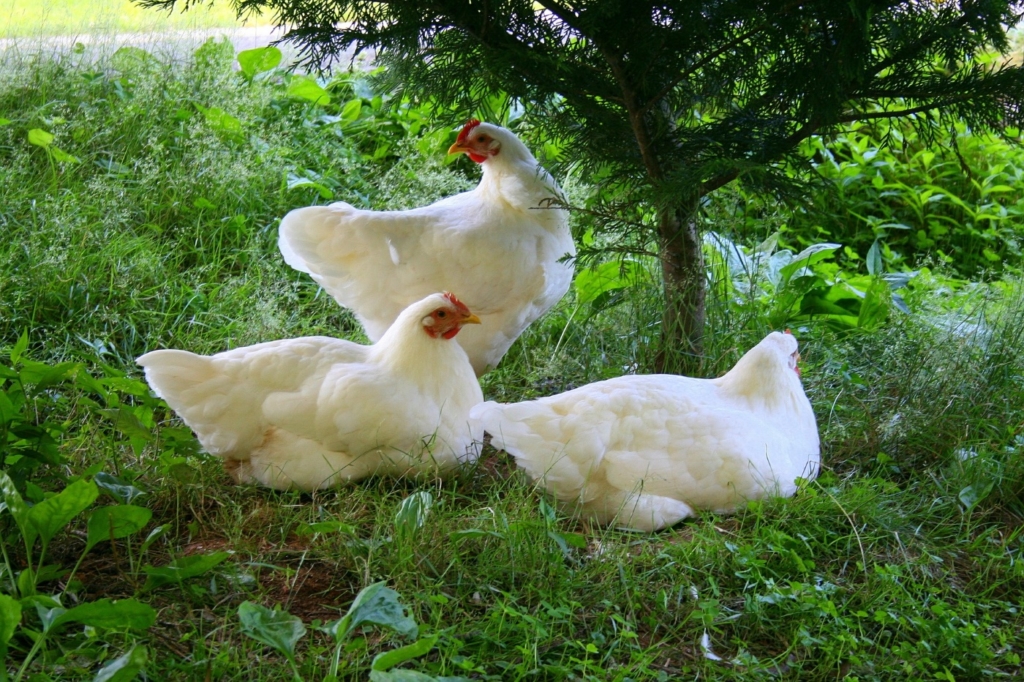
x: 910, y: 202
x: 803, y: 287
x: 275, y: 628
x: 182, y: 569
x: 375, y: 604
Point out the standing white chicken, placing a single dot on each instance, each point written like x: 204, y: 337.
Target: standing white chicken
x: 498, y: 245
x: 645, y: 451
x: 313, y: 412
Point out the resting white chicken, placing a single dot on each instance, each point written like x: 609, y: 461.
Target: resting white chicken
x: 313, y: 412
x: 643, y: 452
x: 498, y: 246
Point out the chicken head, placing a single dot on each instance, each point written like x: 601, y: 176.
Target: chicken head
x: 447, y: 321
x: 475, y: 139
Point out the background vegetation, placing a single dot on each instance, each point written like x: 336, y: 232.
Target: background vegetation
x: 33, y: 19
x: 140, y: 205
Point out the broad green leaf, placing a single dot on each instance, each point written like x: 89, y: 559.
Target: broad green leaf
x: 19, y: 348
x: 124, y: 668
x: 874, y: 259
x: 40, y: 138
x: 808, y: 257
x: 118, y: 489
x: 50, y: 515
x: 5, y: 121
x: 325, y: 527
x: 258, y: 60
x: 975, y: 493
x: 39, y: 601
x: 128, y: 58
x: 111, y: 523
x: 62, y: 156
x: 296, y: 181
x: 7, y: 410
x: 127, y: 423
x: 182, y: 569
x: 350, y: 112
x: 389, y: 659
x: 412, y: 513
x: 874, y: 309
x: 593, y: 282
x: 42, y: 376
x: 10, y: 616
x: 13, y: 503
x: 48, y: 615
x: 304, y: 87
x: 153, y: 536
x: 86, y: 381
x: 276, y: 628
x: 221, y: 121
x: 377, y: 605
x: 104, y: 613
x: 402, y: 675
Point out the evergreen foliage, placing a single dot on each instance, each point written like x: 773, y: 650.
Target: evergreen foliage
x: 672, y: 100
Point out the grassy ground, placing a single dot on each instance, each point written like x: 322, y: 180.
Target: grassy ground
x: 902, y: 561
x: 28, y: 19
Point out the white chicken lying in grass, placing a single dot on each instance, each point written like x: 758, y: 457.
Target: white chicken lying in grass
x: 498, y: 246
x: 644, y: 452
x: 314, y: 412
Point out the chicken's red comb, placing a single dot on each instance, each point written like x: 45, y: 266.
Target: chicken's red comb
x: 464, y: 133
x: 456, y: 302
x: 789, y: 332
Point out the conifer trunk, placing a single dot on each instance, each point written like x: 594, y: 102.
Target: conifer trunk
x: 684, y: 280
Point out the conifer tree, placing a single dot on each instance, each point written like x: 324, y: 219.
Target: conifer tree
x: 675, y: 99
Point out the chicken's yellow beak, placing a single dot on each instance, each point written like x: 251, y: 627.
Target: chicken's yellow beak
x: 472, y: 319
x: 458, y: 149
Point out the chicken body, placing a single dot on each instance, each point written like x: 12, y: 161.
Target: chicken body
x: 498, y: 245
x: 643, y: 452
x: 314, y: 412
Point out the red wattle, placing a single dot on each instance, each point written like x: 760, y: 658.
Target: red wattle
x: 477, y: 157
x: 451, y: 332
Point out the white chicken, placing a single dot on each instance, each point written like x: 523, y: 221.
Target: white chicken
x: 643, y: 452
x: 314, y: 412
x: 500, y: 246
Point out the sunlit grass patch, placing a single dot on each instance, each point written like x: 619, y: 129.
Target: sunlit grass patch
x: 29, y: 18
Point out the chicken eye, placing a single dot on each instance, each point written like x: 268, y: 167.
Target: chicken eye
x: 440, y: 313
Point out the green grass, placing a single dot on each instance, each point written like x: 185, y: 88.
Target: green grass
x: 902, y: 561
x: 30, y: 19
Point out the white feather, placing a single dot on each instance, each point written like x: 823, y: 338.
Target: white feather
x: 644, y: 451
x: 495, y: 246
x: 314, y: 412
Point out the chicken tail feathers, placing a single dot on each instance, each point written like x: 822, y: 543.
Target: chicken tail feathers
x: 292, y: 238
x: 205, y: 397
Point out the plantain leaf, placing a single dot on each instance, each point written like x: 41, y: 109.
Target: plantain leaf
x: 181, y: 569
x: 389, y: 659
x: 104, y: 613
x: 274, y: 627
x: 377, y: 605
x: 304, y: 87
x: 258, y: 60
x: 51, y: 515
x: 111, y: 523
x: 125, y: 668
x: 40, y: 138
